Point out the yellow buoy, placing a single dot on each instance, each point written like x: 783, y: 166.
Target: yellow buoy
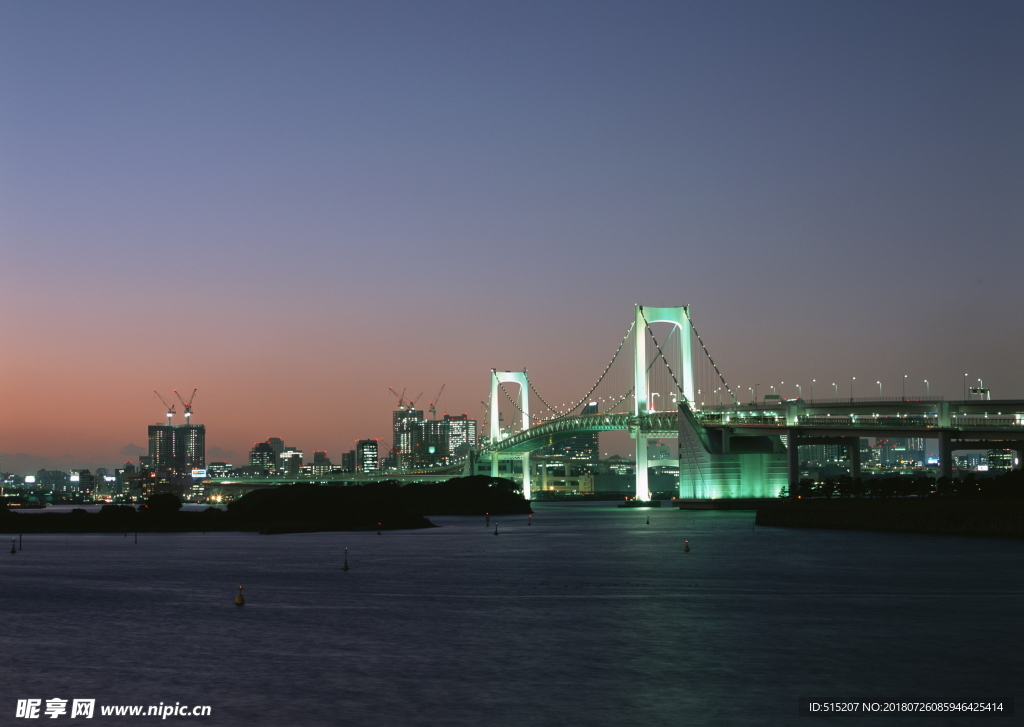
x: 686, y: 548
x: 239, y: 599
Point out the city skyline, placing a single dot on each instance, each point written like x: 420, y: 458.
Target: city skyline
x: 294, y: 208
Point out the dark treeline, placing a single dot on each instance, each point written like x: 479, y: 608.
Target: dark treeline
x: 292, y: 508
x: 1009, y: 485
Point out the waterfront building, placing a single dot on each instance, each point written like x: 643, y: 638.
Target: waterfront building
x: 321, y: 464
x: 219, y: 469
x: 1001, y: 460
x: 263, y: 458
x: 367, y: 459
x: 441, y: 442
x: 289, y: 462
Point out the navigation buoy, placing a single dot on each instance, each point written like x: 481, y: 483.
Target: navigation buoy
x: 13, y: 549
x: 378, y: 528
x: 495, y: 528
x: 529, y: 519
x: 345, y: 567
x: 487, y: 519
x: 686, y: 548
x: 239, y: 599
x: 648, y: 519
x: 20, y: 535
x: 136, y: 538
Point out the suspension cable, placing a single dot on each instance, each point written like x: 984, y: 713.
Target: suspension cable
x: 559, y: 414
x: 728, y: 388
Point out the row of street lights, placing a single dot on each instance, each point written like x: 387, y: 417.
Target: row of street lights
x: 853, y: 379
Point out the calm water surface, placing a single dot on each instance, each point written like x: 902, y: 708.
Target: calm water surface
x: 589, y: 616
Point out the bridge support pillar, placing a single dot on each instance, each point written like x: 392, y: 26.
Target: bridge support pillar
x: 494, y: 464
x: 526, y: 475
x: 792, y: 459
x: 946, y: 454
x: 853, y: 456
x: 643, y: 491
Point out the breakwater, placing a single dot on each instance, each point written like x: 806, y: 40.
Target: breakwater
x: 997, y: 518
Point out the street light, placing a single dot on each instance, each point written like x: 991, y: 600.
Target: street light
x: 799, y: 392
x: 879, y: 389
x: 812, y: 389
x: 852, y: 379
x: 927, y: 388
x: 836, y: 387
x: 965, y: 387
x: 904, y: 387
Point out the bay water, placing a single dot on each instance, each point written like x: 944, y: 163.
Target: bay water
x: 588, y: 615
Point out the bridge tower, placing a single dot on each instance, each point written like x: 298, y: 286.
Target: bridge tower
x: 678, y: 316
x: 510, y: 377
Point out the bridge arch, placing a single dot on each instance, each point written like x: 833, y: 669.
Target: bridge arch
x: 678, y: 316
x: 520, y: 378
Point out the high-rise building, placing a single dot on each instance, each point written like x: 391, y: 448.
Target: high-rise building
x: 442, y: 442
x: 404, y: 423
x: 366, y: 456
x: 177, y: 448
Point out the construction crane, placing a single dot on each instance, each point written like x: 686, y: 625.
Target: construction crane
x: 169, y: 405
x: 403, y: 403
x: 401, y: 397
x: 186, y: 404
x: 433, y: 404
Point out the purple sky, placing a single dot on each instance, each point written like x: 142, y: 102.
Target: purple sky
x: 295, y: 205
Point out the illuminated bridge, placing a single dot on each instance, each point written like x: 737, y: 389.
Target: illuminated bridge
x: 727, y: 449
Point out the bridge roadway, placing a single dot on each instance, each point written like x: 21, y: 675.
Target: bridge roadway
x: 867, y: 417
x: 970, y: 424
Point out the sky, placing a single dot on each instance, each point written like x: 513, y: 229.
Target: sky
x: 293, y: 206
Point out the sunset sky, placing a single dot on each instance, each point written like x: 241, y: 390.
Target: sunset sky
x: 293, y: 206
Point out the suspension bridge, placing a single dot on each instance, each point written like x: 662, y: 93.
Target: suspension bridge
x: 673, y: 388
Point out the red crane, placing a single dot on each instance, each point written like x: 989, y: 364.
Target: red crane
x: 433, y: 404
x: 187, y: 404
x: 169, y: 405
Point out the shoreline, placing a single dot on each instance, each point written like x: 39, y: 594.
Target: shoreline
x: 1003, y: 518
